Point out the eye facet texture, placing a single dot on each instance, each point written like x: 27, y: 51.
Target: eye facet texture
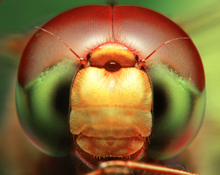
x: 47, y: 70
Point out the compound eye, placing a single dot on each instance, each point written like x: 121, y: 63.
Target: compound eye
x: 112, y: 66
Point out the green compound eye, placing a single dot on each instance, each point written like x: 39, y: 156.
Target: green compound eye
x: 49, y: 72
x: 43, y: 106
x: 178, y: 111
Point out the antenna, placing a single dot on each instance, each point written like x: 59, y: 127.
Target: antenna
x: 142, y: 62
x: 82, y: 60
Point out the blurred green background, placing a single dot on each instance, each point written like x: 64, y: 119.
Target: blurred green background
x: 18, y: 18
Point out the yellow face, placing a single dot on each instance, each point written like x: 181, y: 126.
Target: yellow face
x: 111, y: 103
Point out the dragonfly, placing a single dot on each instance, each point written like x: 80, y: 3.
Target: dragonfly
x: 53, y: 38
x: 96, y: 95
